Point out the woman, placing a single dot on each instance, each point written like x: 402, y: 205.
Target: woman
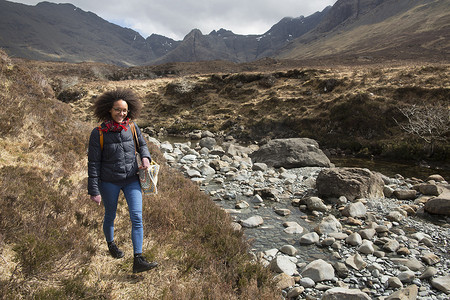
x: 112, y: 167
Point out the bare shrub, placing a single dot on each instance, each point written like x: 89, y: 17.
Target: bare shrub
x: 429, y: 123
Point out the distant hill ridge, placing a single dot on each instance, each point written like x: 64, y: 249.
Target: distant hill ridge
x: 377, y: 28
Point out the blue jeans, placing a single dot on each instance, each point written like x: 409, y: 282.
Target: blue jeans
x: 133, y: 194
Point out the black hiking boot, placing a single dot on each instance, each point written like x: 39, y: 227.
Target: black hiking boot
x: 141, y: 265
x: 114, y: 250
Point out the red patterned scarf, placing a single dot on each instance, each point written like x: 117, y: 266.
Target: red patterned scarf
x: 113, y: 126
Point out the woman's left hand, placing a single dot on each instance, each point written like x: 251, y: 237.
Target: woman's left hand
x: 145, y: 163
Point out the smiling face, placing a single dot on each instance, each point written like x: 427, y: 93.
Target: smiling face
x: 119, y: 111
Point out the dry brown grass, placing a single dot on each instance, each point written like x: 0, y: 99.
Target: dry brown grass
x: 51, y: 241
x: 280, y: 99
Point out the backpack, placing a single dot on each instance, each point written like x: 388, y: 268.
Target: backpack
x: 133, y: 130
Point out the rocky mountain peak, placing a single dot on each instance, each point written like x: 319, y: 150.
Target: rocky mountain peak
x: 47, y: 31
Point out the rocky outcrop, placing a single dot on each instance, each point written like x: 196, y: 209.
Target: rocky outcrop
x: 352, y: 183
x: 291, y: 153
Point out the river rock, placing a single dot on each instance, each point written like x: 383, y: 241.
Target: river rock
x: 257, y: 199
x: 328, y: 241
x: 366, y: 247
x: 329, y: 224
x: 218, y: 164
x: 339, y: 293
x: 430, y: 259
x: 395, y: 282
x: 268, y: 193
x: 419, y: 236
x: 242, y: 205
x: 338, y: 235
x: 428, y: 273
x: 166, y: 147
x: 412, y: 264
x: 217, y: 150
x: 193, y: 173
x: 291, y: 153
x: 283, y: 264
x: 189, y: 158
x: 295, y: 292
x: 388, y: 191
x: 430, y: 189
x: 354, y: 239
x: 284, y: 281
x: 391, y: 245
x: 195, y: 135
x: 289, y: 250
x: 169, y: 158
x: 356, y: 262
x: 206, y: 170
x: 315, y: 203
x: 282, y: 211
x: 436, y: 178
x: 395, y: 216
x: 406, y: 276
x: 292, y: 228
x: 367, y: 233
x: 309, y: 238
x: 318, y: 270
x: 208, y: 142
x: 341, y: 269
x: 259, y: 167
x: 439, y: 205
x: 442, y: 283
x: 349, y: 182
x: 355, y: 210
x: 408, y: 293
x: 236, y: 226
x: 402, y: 194
x: 252, y: 222
x: 307, y: 282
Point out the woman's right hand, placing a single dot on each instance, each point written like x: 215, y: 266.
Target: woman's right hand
x: 97, y: 199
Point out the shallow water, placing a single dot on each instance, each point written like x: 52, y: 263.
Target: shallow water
x: 271, y: 234
x: 390, y: 168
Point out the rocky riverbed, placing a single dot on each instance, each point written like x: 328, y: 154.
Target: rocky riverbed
x: 328, y: 233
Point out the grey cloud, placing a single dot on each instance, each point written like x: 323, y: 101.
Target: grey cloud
x: 176, y: 18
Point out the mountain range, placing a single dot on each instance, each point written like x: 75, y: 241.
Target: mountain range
x: 352, y: 30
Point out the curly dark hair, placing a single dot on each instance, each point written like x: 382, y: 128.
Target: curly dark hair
x: 105, y: 102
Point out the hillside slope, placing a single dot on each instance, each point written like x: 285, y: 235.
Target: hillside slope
x: 378, y: 30
x: 62, y: 32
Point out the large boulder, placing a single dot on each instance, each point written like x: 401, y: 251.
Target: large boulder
x: 439, y: 205
x: 291, y: 153
x: 352, y: 183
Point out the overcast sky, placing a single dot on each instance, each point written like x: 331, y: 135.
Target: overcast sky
x: 176, y: 18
